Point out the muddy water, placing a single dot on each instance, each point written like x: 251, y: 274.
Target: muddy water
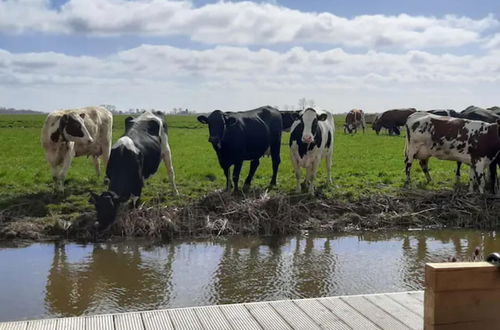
x: 50, y: 280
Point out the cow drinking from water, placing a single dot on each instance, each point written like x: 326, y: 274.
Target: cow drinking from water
x: 354, y: 119
x: 72, y: 133
x: 311, y: 140
x: 134, y: 157
x: 472, y: 142
x: 247, y: 135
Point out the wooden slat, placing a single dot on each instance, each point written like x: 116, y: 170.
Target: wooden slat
x: 408, y: 318
x: 409, y: 301
x: 42, y: 324
x: 373, y: 313
x: 14, y: 325
x: 128, y: 321
x: 157, y: 320
x: 184, y: 318
x: 212, y: 318
x: 71, y: 323
x: 294, y: 316
x: 239, y: 317
x: 347, y: 314
x: 267, y: 317
x: 99, y: 322
x: 325, y: 318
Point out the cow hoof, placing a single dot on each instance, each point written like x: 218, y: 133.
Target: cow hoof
x: 246, y: 188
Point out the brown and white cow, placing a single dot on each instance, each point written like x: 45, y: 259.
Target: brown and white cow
x: 475, y: 143
x: 72, y: 133
x: 354, y: 119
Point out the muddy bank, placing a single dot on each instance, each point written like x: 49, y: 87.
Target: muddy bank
x: 272, y: 213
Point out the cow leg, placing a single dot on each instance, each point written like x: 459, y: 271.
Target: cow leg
x: 296, y: 168
x: 167, y: 159
x: 97, y: 166
x: 457, y: 173
x: 66, y: 163
x: 396, y: 130
x: 477, y: 177
x: 311, y: 172
x: 493, y: 177
x: 227, y: 173
x: 424, y: 164
x: 236, y: 175
x: 276, y: 160
x: 408, y: 163
x: 253, y: 168
x: 329, y: 166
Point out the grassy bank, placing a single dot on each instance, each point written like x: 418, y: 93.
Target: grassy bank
x: 365, y: 165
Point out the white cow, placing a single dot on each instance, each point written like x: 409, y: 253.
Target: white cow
x: 72, y: 133
x: 311, y: 139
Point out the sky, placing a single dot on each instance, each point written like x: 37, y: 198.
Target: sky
x: 238, y: 55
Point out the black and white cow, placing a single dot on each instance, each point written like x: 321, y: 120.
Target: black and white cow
x: 246, y: 135
x: 134, y: 157
x: 311, y: 139
x: 475, y: 143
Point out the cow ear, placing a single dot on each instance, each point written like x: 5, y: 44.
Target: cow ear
x: 153, y: 127
x: 231, y: 121
x: 128, y: 122
x: 203, y: 119
x: 82, y: 115
x: 322, y: 117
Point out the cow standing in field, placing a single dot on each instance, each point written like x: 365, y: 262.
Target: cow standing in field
x: 392, y: 120
x: 444, y: 112
x: 354, y: 119
x: 288, y: 117
x: 134, y: 157
x: 247, y: 135
x: 311, y: 140
x: 72, y: 133
x: 472, y: 142
x: 476, y: 113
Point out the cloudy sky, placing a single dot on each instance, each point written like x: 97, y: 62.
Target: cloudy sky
x: 237, y: 55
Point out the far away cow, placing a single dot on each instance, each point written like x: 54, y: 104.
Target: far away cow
x: 476, y: 113
x: 354, y: 119
x: 311, y: 140
x: 134, y: 157
x: 444, y: 112
x: 72, y: 133
x: 247, y: 135
x: 392, y: 120
x: 472, y: 142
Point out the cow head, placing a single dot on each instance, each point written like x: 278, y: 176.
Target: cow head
x: 377, y: 125
x: 288, y: 118
x: 309, y: 122
x: 217, y: 122
x: 72, y: 128
x: 106, y: 206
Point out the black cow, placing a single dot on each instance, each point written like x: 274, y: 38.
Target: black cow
x: 134, y: 158
x: 392, y: 120
x: 445, y: 113
x: 476, y: 113
x: 288, y: 117
x: 247, y: 135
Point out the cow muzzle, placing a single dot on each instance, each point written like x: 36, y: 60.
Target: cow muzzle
x: 307, y: 139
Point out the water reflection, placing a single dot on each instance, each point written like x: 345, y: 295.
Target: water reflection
x: 77, y: 279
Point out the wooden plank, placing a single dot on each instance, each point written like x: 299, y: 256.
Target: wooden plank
x: 99, y: 322
x: 405, y: 316
x: 71, y: 323
x: 410, y: 302
x: 374, y: 313
x: 49, y: 324
x: 184, y: 318
x: 293, y: 315
x: 453, y: 276
x: 267, y: 317
x: 239, y: 317
x: 324, y: 317
x: 211, y: 318
x: 157, y: 320
x: 128, y: 321
x: 14, y: 325
x: 347, y: 314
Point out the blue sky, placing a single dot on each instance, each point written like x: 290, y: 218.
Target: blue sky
x: 238, y: 55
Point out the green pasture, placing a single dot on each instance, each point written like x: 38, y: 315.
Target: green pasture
x: 362, y: 164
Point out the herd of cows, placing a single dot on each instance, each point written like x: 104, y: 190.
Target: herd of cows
x: 471, y: 136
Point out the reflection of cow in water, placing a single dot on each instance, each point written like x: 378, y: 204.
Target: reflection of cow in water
x: 392, y: 120
x: 111, y: 277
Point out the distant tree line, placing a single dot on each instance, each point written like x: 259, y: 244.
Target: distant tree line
x: 13, y: 111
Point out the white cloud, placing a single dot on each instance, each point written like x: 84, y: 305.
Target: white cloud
x: 240, y: 23
x: 228, y: 77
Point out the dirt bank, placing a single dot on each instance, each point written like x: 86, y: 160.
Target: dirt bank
x: 272, y: 213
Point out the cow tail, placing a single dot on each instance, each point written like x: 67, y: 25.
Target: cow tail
x: 407, y: 139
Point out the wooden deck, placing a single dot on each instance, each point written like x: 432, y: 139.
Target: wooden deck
x: 377, y: 311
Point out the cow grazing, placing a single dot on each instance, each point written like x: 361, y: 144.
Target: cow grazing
x: 392, y: 120
x: 472, y: 142
x: 354, y: 119
x: 247, y: 135
x: 288, y: 117
x: 72, y: 133
x: 444, y: 112
x: 476, y: 113
x: 134, y: 157
x: 311, y: 140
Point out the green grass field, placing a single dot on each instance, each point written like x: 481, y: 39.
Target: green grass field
x: 363, y: 164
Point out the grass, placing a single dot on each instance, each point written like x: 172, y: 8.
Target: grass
x: 363, y: 164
